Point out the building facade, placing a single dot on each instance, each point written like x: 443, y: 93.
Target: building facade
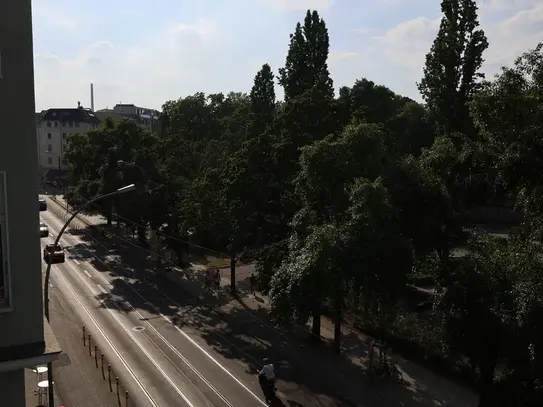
x: 54, y: 127
x: 26, y: 339
x: 141, y: 115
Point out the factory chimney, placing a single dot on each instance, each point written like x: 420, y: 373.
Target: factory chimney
x: 92, y: 97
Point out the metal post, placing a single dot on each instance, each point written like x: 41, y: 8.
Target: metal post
x: 109, y: 376
x: 117, y: 384
x: 96, y: 355
x: 90, y: 353
x: 84, y: 335
x: 126, y: 398
x: 102, y: 364
x: 50, y: 390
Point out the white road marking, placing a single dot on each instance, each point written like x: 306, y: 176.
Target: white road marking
x: 110, y: 343
x: 192, y: 341
x: 186, y: 336
x: 76, y: 262
x: 87, y: 273
x: 102, y: 289
x: 138, y: 344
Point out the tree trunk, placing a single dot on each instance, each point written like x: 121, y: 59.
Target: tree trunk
x: 142, y: 235
x: 233, y: 275
x: 316, y: 325
x: 487, y: 367
x: 337, y: 327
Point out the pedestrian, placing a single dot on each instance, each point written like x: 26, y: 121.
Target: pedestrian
x: 208, y: 278
x: 252, y: 282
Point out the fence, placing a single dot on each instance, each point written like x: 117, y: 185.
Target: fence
x: 108, y: 374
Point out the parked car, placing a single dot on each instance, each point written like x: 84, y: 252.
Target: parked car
x: 44, y: 230
x: 43, y: 205
x: 56, y: 253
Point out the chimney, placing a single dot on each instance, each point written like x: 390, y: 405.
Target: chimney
x: 92, y: 97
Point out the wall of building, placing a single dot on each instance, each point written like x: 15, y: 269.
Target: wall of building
x: 12, y: 388
x: 22, y: 323
x: 53, y: 139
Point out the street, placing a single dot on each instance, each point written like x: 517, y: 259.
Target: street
x: 159, y: 363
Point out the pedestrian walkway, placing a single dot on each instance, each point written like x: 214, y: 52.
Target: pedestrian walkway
x: 314, y: 365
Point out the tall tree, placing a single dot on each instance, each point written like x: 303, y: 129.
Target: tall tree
x: 306, y: 65
x: 451, y: 73
x: 263, y: 103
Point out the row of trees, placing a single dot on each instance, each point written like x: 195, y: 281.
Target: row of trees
x: 346, y: 202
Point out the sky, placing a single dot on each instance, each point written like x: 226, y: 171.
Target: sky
x: 149, y: 52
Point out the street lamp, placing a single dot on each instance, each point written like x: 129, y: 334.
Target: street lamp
x: 122, y: 190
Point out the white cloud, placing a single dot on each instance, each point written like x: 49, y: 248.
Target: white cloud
x: 512, y: 27
x: 340, y: 56
x: 165, y: 66
x: 147, y: 60
x: 297, y: 5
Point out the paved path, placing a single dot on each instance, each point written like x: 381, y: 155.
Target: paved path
x: 302, y: 364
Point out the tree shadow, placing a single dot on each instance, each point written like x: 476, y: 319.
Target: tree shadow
x: 238, y: 331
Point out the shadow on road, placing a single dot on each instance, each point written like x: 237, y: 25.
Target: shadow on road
x: 235, y: 330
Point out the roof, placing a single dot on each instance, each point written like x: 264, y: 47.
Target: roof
x: 103, y: 114
x: 77, y: 114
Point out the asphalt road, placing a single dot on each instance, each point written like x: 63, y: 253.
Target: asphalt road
x: 159, y: 363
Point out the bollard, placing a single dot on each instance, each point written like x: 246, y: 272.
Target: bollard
x: 96, y: 355
x: 84, y: 335
x: 102, y: 364
x: 126, y: 398
x: 117, y: 384
x: 90, y: 352
x: 109, y: 376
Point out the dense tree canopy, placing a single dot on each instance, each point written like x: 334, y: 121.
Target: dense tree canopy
x: 347, y: 203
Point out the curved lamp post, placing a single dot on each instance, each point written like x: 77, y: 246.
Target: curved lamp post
x: 122, y: 190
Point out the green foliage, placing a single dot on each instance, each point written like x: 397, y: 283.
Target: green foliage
x: 306, y: 65
x: 345, y: 203
x: 451, y: 72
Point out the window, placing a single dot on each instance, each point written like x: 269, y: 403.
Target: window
x: 4, y: 246
x: 50, y: 160
x: 49, y: 136
x: 63, y: 124
x: 56, y: 124
x: 64, y: 136
x: 50, y: 147
x: 48, y: 124
x: 71, y: 124
x: 76, y: 124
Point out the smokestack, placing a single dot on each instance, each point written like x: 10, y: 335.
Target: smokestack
x: 92, y: 97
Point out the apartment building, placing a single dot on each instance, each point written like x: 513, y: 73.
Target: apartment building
x: 54, y: 127
x: 144, y: 116
x: 26, y: 339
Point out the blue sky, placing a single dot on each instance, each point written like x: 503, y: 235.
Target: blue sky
x: 147, y: 52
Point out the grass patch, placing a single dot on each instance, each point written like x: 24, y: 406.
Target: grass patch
x: 211, y: 261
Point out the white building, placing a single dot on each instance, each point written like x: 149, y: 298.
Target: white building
x: 144, y: 116
x: 54, y: 127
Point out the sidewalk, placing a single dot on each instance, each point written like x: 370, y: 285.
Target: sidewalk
x: 301, y: 362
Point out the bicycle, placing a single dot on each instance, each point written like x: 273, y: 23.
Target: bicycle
x: 389, y: 369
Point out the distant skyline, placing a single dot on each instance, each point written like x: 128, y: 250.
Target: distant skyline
x: 146, y: 53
